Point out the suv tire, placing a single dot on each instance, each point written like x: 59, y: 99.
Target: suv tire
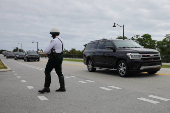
x: 152, y: 72
x: 90, y: 66
x: 122, y: 68
x: 27, y: 60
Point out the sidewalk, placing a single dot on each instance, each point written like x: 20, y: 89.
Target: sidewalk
x: 165, y: 63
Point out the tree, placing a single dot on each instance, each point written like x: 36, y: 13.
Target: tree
x: 145, y: 40
x: 2, y: 51
x: 65, y: 51
x: 121, y: 37
x: 84, y: 47
x: 41, y: 50
x: 164, y: 45
x: 17, y: 49
x: 73, y: 51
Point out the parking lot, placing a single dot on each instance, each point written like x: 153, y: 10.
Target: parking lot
x: 103, y: 91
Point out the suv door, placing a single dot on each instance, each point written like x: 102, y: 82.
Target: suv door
x: 98, y: 55
x: 109, y: 55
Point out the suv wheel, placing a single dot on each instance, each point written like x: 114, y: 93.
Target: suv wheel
x: 90, y: 66
x: 122, y: 68
x: 152, y: 72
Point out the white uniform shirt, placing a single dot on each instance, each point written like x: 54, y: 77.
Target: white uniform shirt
x: 55, y: 44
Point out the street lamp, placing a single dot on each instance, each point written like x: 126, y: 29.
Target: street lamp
x: 18, y: 48
x: 120, y: 26
x: 21, y: 47
x: 37, y: 45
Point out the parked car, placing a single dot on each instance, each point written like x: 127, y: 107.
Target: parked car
x: 4, y: 53
x: 19, y: 55
x: 124, y: 55
x: 31, y: 55
x: 9, y: 55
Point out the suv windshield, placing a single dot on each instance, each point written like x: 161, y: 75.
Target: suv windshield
x: 126, y: 44
x: 21, y: 54
x: 32, y: 53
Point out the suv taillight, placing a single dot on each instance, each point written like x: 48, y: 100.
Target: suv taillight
x: 83, y: 54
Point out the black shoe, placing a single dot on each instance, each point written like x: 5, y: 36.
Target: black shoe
x: 44, y: 90
x: 61, y: 89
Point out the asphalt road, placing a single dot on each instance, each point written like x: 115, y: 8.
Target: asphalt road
x: 102, y: 91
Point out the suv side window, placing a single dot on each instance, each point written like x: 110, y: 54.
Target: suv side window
x: 100, y: 45
x: 108, y: 44
x: 91, y: 46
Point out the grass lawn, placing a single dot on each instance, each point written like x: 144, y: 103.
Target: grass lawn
x: 73, y: 60
x: 2, y: 66
x: 79, y: 60
x: 165, y: 66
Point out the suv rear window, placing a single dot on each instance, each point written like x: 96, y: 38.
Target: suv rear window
x: 91, y: 45
x: 108, y: 44
x: 100, y: 45
x: 32, y: 53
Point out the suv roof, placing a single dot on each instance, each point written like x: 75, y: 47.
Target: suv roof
x: 106, y: 40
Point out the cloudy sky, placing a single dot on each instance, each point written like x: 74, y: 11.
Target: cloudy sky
x: 79, y: 21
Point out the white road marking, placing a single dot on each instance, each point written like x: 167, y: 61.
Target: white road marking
x: 18, y: 76
x: 38, y: 68
x: 69, y: 77
x: 148, y: 100
x: 23, y: 81
x: 106, y: 88
x: 114, y: 87
x: 89, y: 81
x: 42, y: 98
x: 15, y: 74
x: 30, y: 87
x: 160, y: 98
x: 41, y: 69
x: 82, y: 82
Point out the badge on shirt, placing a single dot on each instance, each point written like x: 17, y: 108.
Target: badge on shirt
x: 51, y: 41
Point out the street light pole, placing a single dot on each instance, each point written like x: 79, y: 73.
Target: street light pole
x: 21, y: 47
x: 120, y: 26
x: 37, y: 45
x: 18, y: 48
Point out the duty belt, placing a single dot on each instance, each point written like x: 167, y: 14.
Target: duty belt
x: 57, y: 53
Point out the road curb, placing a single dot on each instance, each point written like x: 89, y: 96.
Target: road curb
x: 8, y: 69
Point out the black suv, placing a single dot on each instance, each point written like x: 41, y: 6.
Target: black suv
x: 31, y: 55
x: 124, y: 55
x: 19, y: 55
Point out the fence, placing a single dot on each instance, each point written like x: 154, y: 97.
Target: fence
x: 72, y: 56
x: 165, y: 58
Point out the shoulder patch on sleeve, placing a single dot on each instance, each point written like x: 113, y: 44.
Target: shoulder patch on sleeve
x: 51, y: 41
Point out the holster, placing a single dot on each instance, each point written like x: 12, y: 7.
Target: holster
x: 54, y: 55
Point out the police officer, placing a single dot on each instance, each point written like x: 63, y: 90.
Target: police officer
x: 54, y: 51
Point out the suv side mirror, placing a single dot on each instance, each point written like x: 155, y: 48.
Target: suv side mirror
x: 111, y: 47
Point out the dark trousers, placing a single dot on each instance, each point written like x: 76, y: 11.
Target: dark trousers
x: 53, y: 63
